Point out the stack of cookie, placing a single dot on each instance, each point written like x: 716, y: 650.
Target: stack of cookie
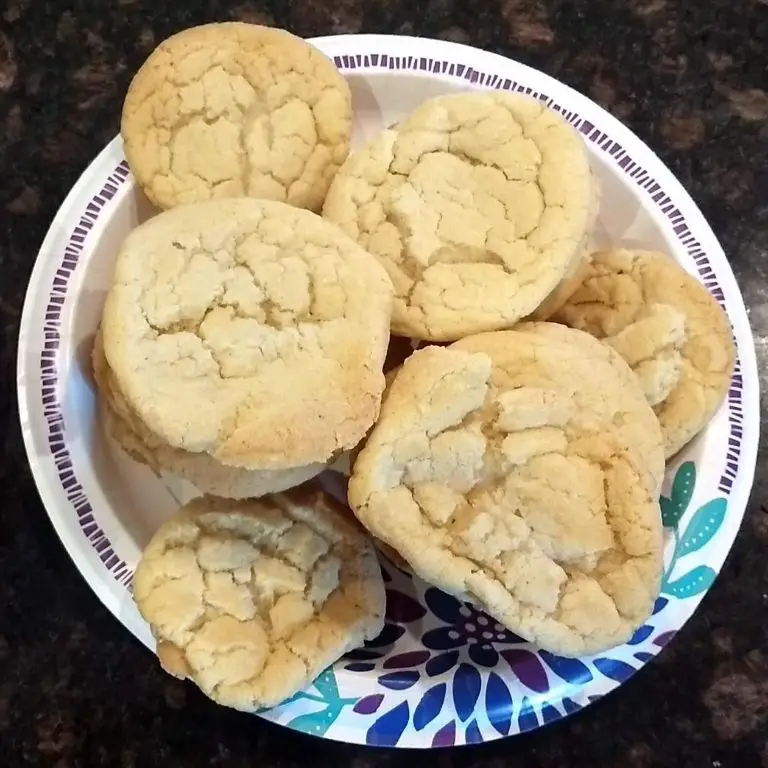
x: 513, y: 461
x: 242, y: 344
x: 241, y: 347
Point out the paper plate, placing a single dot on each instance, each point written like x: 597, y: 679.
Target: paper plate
x: 442, y: 672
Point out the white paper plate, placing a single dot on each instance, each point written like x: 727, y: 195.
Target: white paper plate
x: 442, y: 673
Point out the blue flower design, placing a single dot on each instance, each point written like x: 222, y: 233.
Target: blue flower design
x: 465, y: 626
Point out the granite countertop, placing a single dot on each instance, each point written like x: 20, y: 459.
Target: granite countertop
x: 688, y: 76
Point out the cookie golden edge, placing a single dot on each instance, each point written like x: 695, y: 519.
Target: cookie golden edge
x: 579, y: 271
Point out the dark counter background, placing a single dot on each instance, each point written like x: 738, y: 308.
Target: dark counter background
x: 688, y: 76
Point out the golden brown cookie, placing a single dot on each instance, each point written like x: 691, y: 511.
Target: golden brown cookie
x: 250, y: 330
x: 668, y: 328
x: 477, y: 204
x: 204, y: 472
x: 233, y: 109
x: 251, y: 600
x: 496, y: 487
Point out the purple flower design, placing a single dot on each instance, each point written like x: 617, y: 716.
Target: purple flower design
x: 465, y: 626
x: 363, y: 659
x: 401, y: 609
x: 486, y: 641
x: 450, y: 666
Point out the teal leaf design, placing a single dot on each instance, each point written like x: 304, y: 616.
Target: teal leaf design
x: 301, y: 696
x: 703, y: 526
x: 673, y: 508
x: 666, y: 512
x: 317, y: 723
x: 326, y: 685
x: 692, y: 583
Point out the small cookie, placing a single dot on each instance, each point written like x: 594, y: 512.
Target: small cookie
x: 234, y: 109
x: 601, y: 385
x: 477, y: 204
x: 250, y: 330
x: 204, y: 472
x: 496, y: 488
x: 253, y: 599
x: 668, y: 328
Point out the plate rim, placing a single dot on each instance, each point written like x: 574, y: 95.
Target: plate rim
x: 92, y: 569
x: 87, y: 567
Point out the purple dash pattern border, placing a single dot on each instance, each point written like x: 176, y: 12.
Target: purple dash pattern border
x: 49, y: 379
x: 52, y: 406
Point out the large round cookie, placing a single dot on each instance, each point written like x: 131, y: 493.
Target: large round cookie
x: 253, y: 599
x: 477, y: 204
x: 667, y: 327
x: 600, y: 383
x: 250, y: 330
x: 224, y: 110
x: 203, y: 471
x: 502, y: 492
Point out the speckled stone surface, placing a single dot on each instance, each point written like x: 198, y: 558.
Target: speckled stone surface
x: 688, y: 76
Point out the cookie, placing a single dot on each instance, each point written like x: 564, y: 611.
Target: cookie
x: 477, y: 204
x: 204, y: 472
x: 251, y: 600
x: 668, y: 328
x: 599, y: 382
x: 496, y: 488
x: 249, y: 330
x: 234, y: 109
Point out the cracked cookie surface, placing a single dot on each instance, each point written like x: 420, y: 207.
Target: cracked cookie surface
x: 615, y: 392
x: 477, y: 204
x: 250, y: 330
x: 208, y: 475
x: 669, y: 329
x: 253, y: 599
x: 233, y: 109
x: 497, y: 488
